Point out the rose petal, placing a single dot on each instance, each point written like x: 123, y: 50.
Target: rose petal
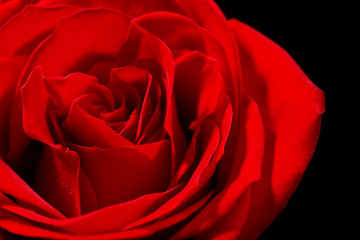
x: 102, y: 221
x: 18, y: 140
x: 170, y: 222
x: 14, y: 186
x: 129, y: 7
x: 63, y: 91
x: 114, y: 217
x: 208, y: 143
x: 238, y: 176
x: 154, y: 124
x: 182, y: 34
x: 143, y: 50
x: 27, y: 29
x: 129, y: 128
x: 88, y: 197
x: 86, y: 44
x: 119, y: 115
x: 56, y: 179
x: 102, y: 70
x: 207, y: 87
x: 17, y: 225
x: 127, y: 172
x: 34, y: 114
x: 151, y: 98
x: 158, y: 229
x: 217, y: 24
x: 129, y: 75
x: 85, y: 47
x: 9, y: 70
x: 223, y: 118
x: 142, y: 45
x: 9, y: 8
x: 77, y: 127
x: 125, y: 80
x: 290, y: 106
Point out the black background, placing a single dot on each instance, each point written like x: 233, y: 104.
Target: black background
x: 309, y: 33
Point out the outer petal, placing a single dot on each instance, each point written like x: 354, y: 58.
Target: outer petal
x: 24, y: 31
x: 103, y: 221
x: 290, y: 106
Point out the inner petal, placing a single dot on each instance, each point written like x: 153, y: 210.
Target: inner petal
x: 63, y: 91
x: 140, y: 91
x: 207, y: 87
x: 124, y: 173
x: 87, y: 130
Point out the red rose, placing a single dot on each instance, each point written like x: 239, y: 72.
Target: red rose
x: 137, y: 119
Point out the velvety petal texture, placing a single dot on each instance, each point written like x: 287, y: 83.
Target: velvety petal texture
x: 290, y: 105
x: 146, y: 119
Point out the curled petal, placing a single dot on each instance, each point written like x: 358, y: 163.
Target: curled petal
x: 207, y: 87
x: 87, y: 130
x: 34, y: 102
x: 228, y: 211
